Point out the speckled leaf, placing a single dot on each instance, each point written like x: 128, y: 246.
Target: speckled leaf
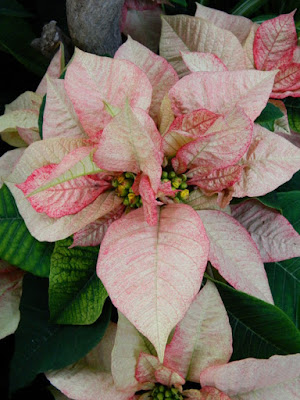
x: 274, y: 41
x: 202, y: 338
x: 197, y: 62
x: 266, y: 156
x: 144, y: 268
x: 288, y: 203
x: 160, y: 73
x: 10, y: 294
x: 76, y: 294
x: 247, y: 89
x: 60, y: 118
x: 222, y: 145
x: 91, y: 79
x: 45, y: 152
x: 238, y: 25
x: 129, y: 343
x: 275, y: 378
x: 275, y: 237
x: 185, y: 33
x: 235, y: 255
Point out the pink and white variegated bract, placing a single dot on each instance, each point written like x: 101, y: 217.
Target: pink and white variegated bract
x: 10, y: 295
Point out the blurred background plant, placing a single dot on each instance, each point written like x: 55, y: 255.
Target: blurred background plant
x: 30, y: 31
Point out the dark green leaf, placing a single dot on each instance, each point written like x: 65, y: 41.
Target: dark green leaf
x: 41, y: 116
x: 203, y: 2
x: 293, y: 109
x: 247, y: 7
x: 292, y: 184
x: 288, y: 203
x: 76, y: 294
x: 15, y: 38
x: 268, y: 116
x: 262, y: 18
x: 284, y: 280
x: 260, y: 329
x: 182, y: 3
x: 41, y: 346
x: 17, y: 246
x: 14, y: 9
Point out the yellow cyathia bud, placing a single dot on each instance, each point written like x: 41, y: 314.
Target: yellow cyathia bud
x: 121, y: 178
x: 184, y: 194
x: 132, y: 198
x: 176, y: 182
x: 121, y: 191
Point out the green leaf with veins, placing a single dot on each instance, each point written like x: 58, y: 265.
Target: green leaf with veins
x: 76, y: 294
x: 293, y: 109
x: 17, y: 246
x: 284, y: 280
x: 40, y: 345
x: 260, y: 329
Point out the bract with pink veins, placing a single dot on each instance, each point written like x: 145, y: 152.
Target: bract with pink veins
x: 134, y: 362
x: 169, y: 257
x: 183, y: 33
x: 269, y: 162
x: 92, y: 81
x: 159, y: 72
x: 10, y: 295
x: 238, y: 25
x: 274, y: 236
x: 30, y: 169
x: 275, y: 378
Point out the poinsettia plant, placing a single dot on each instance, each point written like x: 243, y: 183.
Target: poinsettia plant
x: 168, y: 167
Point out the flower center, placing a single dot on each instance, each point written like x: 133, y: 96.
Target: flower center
x: 123, y: 188
x: 178, y: 182
x: 161, y: 392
